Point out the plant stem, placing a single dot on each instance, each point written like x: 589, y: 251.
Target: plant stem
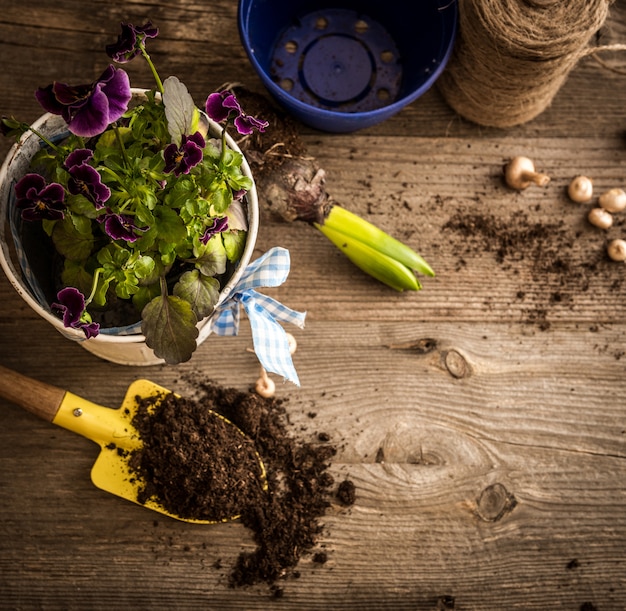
x: 118, y: 137
x: 94, y: 286
x: 157, y: 78
x: 39, y: 135
x: 163, y: 284
x: 223, y: 152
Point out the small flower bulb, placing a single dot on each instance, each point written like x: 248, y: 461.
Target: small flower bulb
x: 580, y: 190
x: 520, y: 173
x: 293, y: 344
x: 613, y: 200
x: 600, y: 218
x: 265, y: 386
x: 617, y: 250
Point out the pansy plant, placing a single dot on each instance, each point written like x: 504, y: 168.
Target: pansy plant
x: 137, y: 195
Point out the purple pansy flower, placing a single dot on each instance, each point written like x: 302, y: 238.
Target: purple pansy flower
x: 224, y: 105
x: 180, y: 159
x: 39, y: 200
x: 246, y: 124
x: 239, y: 195
x: 88, y: 109
x: 72, y: 307
x: 121, y: 227
x: 219, y: 106
x: 85, y: 180
x: 219, y: 224
x: 78, y: 157
x: 127, y: 47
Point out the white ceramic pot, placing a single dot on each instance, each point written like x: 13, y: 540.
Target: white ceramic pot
x: 123, y: 349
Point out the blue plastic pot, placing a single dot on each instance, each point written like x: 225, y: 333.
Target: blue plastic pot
x: 344, y: 65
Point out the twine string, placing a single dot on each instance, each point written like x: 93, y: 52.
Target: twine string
x: 512, y: 56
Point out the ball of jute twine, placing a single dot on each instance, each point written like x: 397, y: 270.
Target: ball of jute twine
x: 512, y: 56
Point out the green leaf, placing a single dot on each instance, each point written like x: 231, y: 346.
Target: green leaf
x: 183, y: 191
x: 143, y: 267
x: 113, y: 256
x: 169, y: 326
x: 147, y: 239
x: 197, y: 207
x: 100, y: 295
x: 80, y: 205
x: 234, y: 243
x: 169, y: 226
x: 82, y: 225
x: 69, y: 242
x: 74, y: 274
x: 48, y: 226
x: 108, y: 140
x: 127, y: 284
x: 373, y: 262
x: 238, y: 181
x: 145, y: 294
x: 211, y: 259
x: 221, y: 196
x: 200, y: 291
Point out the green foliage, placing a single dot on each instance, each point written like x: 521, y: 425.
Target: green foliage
x: 165, y: 216
x: 141, y: 211
x: 169, y: 325
x: 234, y: 243
x: 200, y: 291
x: 71, y: 243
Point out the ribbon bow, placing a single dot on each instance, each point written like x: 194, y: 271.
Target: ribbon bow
x: 269, y: 338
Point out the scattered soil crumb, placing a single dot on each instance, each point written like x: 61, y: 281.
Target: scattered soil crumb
x: 346, y: 493
x: 320, y: 557
x: 192, y: 477
x: 446, y: 603
x: 573, y: 564
x: 547, y: 245
x: 560, y: 263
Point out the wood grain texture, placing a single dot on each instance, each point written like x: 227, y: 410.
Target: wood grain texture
x: 482, y: 420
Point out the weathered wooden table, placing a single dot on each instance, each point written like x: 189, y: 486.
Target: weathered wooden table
x: 483, y: 419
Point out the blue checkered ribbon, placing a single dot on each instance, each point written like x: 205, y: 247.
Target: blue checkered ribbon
x: 269, y: 338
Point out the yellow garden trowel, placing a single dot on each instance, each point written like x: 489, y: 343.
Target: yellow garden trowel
x: 111, y: 429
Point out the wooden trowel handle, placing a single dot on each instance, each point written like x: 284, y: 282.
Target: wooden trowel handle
x: 37, y: 397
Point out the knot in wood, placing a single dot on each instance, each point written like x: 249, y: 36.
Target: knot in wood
x: 494, y: 502
x: 423, y: 345
x: 446, y: 603
x: 456, y: 364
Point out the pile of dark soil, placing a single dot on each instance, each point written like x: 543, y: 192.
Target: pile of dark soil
x: 197, y: 467
x: 193, y: 462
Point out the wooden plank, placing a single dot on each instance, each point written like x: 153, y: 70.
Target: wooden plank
x: 461, y: 472
x: 533, y: 256
x: 481, y: 420
x: 202, y: 47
